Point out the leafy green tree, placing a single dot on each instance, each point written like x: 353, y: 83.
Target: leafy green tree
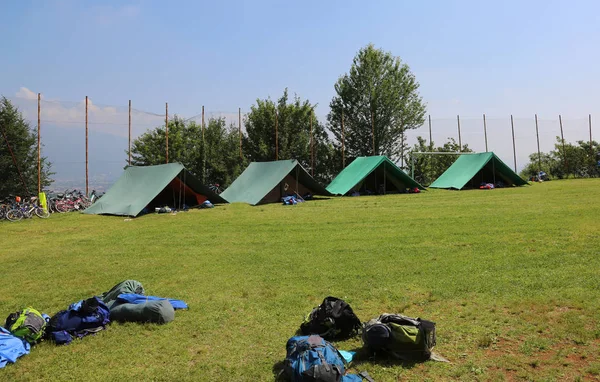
x: 429, y: 167
x: 293, y: 134
x: 22, y: 140
x: 222, y: 161
x: 566, y: 160
x: 379, y: 101
x: 213, y: 158
x: 549, y: 164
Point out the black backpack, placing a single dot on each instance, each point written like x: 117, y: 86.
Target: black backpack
x: 400, y: 336
x: 333, y: 319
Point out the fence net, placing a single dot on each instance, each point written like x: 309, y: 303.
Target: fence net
x: 63, y: 135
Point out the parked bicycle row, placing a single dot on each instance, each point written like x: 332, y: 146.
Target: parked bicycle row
x: 15, y: 208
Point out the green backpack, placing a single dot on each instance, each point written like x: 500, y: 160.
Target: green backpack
x: 28, y: 324
x: 400, y: 336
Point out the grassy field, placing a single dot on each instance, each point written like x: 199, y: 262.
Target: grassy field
x: 510, y: 276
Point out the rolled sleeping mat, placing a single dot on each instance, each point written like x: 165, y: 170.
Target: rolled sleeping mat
x: 157, y: 312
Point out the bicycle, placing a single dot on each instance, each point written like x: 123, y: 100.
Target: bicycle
x: 26, y: 210
x: 215, y: 188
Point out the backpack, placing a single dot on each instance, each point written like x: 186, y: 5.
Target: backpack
x: 312, y: 359
x: 80, y: 319
x: 334, y: 318
x: 400, y: 336
x: 28, y: 324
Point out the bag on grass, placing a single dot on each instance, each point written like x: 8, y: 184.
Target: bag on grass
x: 157, y: 311
x: 28, y: 324
x: 334, y: 318
x: 127, y: 286
x: 400, y: 336
x: 80, y: 319
x: 311, y: 358
x: 11, y: 347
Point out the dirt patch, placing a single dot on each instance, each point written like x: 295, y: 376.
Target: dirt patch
x: 509, y: 359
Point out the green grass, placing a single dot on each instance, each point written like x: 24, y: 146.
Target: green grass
x: 511, y: 276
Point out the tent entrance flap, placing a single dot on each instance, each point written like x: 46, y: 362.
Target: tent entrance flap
x: 470, y: 171
x: 265, y: 182
x: 143, y: 188
x: 375, y: 174
x: 380, y: 181
x: 175, y: 195
x: 487, y: 174
x: 287, y: 187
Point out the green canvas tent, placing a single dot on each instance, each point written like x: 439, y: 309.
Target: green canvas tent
x: 153, y: 186
x: 470, y: 170
x: 377, y: 174
x: 268, y: 182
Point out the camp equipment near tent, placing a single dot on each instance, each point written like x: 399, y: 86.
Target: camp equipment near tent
x: 127, y: 286
x: 11, y: 347
x: 471, y: 170
x: 132, y: 298
x: 79, y: 320
x: 153, y: 186
x: 376, y: 174
x: 268, y: 182
x: 155, y: 311
x: 28, y: 324
x: 400, y: 336
x: 311, y: 358
x: 127, y: 303
x: 333, y: 319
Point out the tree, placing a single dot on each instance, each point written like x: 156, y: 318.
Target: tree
x: 213, y: 159
x: 293, y: 135
x: 429, y: 167
x: 16, y: 133
x: 566, y: 160
x: 549, y: 164
x: 379, y: 101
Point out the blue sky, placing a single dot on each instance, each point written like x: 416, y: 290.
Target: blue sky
x: 470, y: 57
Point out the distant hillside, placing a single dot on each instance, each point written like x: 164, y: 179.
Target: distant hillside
x: 65, y: 149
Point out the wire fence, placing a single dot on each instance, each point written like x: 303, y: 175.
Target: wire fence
x: 109, y: 127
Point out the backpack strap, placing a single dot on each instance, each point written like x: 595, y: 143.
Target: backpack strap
x: 366, y: 376
x: 324, y: 361
x: 337, y: 308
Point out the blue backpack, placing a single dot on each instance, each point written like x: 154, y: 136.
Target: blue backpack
x: 80, y: 319
x: 311, y: 358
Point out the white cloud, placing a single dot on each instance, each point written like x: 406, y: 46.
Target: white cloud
x: 107, y: 119
x: 26, y: 94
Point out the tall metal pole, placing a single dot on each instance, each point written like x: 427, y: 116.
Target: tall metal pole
x: 373, y: 130
x: 39, y: 146
x: 537, y: 134
x: 203, y: 150
x: 240, y: 129
x: 86, y: 145
x: 130, y: 132
x: 430, y: 136
x: 485, y: 133
x: 562, y: 139
x: 167, y: 128
x: 312, y: 156
x: 459, y: 138
x: 343, y: 143
x: 402, y: 149
x: 591, y: 147
x: 276, y: 138
x: 512, y: 125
